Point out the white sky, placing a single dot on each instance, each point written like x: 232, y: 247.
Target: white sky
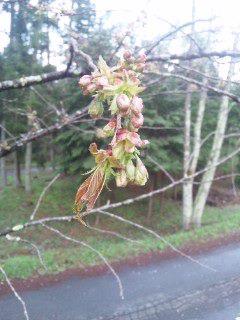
x: 156, y: 16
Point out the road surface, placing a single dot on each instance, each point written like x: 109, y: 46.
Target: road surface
x: 168, y: 290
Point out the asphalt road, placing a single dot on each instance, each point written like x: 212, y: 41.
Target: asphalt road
x: 168, y: 290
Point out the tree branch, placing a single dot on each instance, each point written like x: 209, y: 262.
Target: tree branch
x: 95, y: 251
x: 15, y: 293
x: 32, y: 136
x: 193, y: 56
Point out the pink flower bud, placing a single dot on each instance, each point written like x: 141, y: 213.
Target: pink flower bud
x: 108, y: 130
x: 142, y: 58
x: 145, y: 142
x: 140, y: 66
x: 91, y: 88
x: 123, y: 102
x: 122, y: 134
x: 85, y: 80
x: 125, y: 113
x: 136, y: 105
x: 127, y: 55
x: 118, y: 81
x: 135, y: 80
x: 102, y: 81
x: 137, y: 121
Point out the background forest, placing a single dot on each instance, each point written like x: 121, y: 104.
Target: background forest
x: 191, y: 118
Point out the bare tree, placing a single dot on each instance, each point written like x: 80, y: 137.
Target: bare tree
x: 28, y: 160
x: 17, y: 169
x: 3, y: 160
x: 208, y: 176
x: 187, y: 198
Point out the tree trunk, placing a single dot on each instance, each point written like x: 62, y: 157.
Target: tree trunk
x: 208, y: 176
x: 28, y: 162
x: 198, y: 128
x: 187, y: 197
x: 3, y: 159
x: 187, y: 185
x: 52, y: 154
x: 17, y: 170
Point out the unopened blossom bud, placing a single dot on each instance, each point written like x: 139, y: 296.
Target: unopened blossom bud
x: 136, y: 105
x: 91, y: 88
x: 140, y: 66
x: 130, y: 170
x: 132, y: 128
x: 85, y: 80
x: 141, y: 174
x: 121, y: 178
x: 123, y: 102
x: 118, y: 150
x: 118, y: 81
x: 142, y: 58
x: 145, y: 142
x: 100, y: 134
x: 137, y: 121
x: 102, y: 81
x: 135, y: 80
x: 96, y: 109
x: 127, y: 55
x: 109, y: 128
x: 125, y: 113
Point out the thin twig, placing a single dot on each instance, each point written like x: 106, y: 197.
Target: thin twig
x: 42, y: 195
x: 113, y: 233
x: 119, y: 282
x: 37, y: 250
x: 19, y: 239
x: 114, y: 205
x: 15, y: 293
x: 157, y: 236
x: 161, y: 168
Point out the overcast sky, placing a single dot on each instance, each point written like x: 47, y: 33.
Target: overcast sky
x: 157, y: 16
x: 173, y: 11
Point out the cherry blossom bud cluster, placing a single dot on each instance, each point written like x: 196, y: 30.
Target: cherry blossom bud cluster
x: 115, y: 89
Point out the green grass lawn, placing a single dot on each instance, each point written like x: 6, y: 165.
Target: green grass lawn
x: 21, y: 261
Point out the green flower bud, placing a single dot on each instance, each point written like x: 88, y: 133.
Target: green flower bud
x: 130, y: 170
x: 121, y: 178
x: 118, y: 150
x: 96, y: 109
x: 109, y: 128
x: 141, y: 174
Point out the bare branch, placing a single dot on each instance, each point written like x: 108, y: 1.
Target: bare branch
x: 115, y: 205
x: 161, y: 168
x: 94, y: 250
x: 172, y: 32
x: 28, y: 81
x: 32, y: 136
x: 158, y: 237
x: 15, y: 293
x: 42, y: 195
x: 193, y: 56
x: 200, y: 84
x: 88, y: 59
x: 113, y: 233
x: 37, y: 250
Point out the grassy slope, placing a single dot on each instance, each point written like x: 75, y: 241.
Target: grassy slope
x: 20, y: 261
